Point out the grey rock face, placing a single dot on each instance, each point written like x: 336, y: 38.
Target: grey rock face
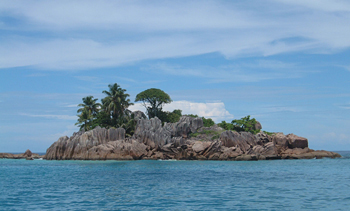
x: 138, y: 115
x: 151, y: 140
x: 28, y: 153
x: 128, y: 149
x: 184, y: 126
x: 263, y: 138
x: 200, y: 146
x: 151, y: 132
x: 243, y: 140
x: 297, y: 141
x: 215, y: 128
x: 257, y: 126
x: 280, y: 140
x: 77, y: 146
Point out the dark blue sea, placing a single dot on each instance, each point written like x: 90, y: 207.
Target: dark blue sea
x: 322, y: 184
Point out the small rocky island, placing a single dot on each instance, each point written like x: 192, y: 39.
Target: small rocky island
x: 28, y: 155
x: 186, y: 139
x: 110, y: 131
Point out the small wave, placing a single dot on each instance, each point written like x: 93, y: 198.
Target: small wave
x: 167, y: 160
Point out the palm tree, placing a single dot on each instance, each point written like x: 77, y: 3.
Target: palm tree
x: 84, y: 120
x: 88, y: 111
x: 89, y: 104
x: 116, y: 104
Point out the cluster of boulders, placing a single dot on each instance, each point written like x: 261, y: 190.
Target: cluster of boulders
x: 185, y: 140
x: 28, y: 155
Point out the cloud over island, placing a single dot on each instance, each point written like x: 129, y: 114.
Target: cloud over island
x: 215, y: 110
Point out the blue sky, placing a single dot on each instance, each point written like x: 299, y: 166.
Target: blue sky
x: 284, y: 62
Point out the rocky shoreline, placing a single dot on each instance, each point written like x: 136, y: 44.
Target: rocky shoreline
x: 28, y: 155
x: 184, y: 140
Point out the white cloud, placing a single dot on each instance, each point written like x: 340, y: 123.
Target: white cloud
x: 239, y: 72
x: 153, y: 30
x: 324, y: 5
x: 216, y: 110
x: 274, y: 108
x: 50, y: 116
x: 137, y: 107
x: 71, y: 106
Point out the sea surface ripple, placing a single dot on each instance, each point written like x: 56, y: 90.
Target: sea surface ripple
x: 322, y: 184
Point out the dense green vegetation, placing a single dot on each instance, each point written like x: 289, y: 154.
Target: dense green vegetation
x: 206, y: 122
x: 113, y: 112
x: 269, y: 133
x: 88, y: 112
x: 244, y: 124
x: 166, y: 116
x: 153, y: 100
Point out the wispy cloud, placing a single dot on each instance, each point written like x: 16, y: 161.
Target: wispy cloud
x: 346, y: 67
x: 50, y: 116
x: 240, y: 72
x: 344, y: 106
x: 155, y: 30
x: 71, y: 106
x: 278, y: 108
x: 323, y: 5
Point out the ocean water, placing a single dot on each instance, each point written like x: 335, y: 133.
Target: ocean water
x: 322, y: 184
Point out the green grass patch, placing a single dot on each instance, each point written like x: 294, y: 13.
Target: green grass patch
x: 215, y: 137
x: 269, y: 133
x: 207, y: 132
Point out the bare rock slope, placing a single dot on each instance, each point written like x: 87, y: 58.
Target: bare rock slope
x: 186, y: 139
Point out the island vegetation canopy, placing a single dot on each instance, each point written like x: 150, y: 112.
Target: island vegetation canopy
x: 113, y: 111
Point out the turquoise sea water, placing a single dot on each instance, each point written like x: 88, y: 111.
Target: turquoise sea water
x: 322, y: 184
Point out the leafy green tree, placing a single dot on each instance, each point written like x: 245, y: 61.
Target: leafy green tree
x: 192, y: 115
x: 102, y: 119
x: 89, y: 104
x: 153, y: 100
x: 166, y: 116
x: 130, y: 125
x: 116, y: 104
x: 206, y: 122
x: 174, y: 116
x: 225, y: 125
x: 84, y: 120
x: 88, y: 111
x: 245, y: 124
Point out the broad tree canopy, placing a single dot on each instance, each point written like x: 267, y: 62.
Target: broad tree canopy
x: 153, y: 99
